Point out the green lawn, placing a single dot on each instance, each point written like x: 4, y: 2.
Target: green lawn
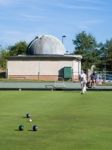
x: 66, y: 120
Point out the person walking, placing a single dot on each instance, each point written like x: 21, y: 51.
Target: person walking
x: 83, y: 81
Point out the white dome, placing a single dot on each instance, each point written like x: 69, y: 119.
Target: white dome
x: 46, y: 44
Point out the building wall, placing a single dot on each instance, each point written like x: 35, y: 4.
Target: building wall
x: 41, y: 69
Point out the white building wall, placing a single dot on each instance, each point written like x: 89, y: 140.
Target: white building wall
x: 38, y: 67
x: 43, y: 67
x: 48, y: 68
x: 76, y: 67
x: 53, y: 67
x: 22, y: 67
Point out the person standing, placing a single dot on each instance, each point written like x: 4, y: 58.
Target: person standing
x: 93, y: 79
x: 83, y: 81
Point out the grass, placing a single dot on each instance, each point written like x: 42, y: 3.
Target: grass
x: 66, y: 120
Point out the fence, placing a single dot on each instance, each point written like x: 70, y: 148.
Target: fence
x: 105, y: 76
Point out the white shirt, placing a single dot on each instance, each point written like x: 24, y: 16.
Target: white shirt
x: 83, y: 77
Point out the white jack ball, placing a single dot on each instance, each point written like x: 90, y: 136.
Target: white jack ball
x: 30, y: 120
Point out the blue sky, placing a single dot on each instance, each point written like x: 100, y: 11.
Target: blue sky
x: 25, y: 19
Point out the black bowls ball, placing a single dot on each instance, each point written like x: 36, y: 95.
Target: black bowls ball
x: 21, y: 127
x: 34, y: 128
x: 28, y: 116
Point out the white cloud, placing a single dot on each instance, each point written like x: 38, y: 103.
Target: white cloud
x: 95, y: 5
x: 88, y: 24
x: 6, y: 2
x: 32, y: 17
x: 78, y: 7
x: 13, y: 36
x: 100, y: 2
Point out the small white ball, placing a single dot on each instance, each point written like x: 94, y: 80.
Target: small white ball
x: 30, y: 120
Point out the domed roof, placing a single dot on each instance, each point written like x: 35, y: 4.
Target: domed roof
x: 46, y: 44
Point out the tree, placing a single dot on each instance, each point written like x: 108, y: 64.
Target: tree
x: 18, y: 49
x: 3, y: 58
x: 84, y: 42
x: 14, y: 50
x: 108, y: 54
x: 86, y: 45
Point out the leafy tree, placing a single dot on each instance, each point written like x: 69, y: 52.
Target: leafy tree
x: 14, y: 50
x: 84, y: 42
x: 108, y: 54
x: 18, y: 49
x: 86, y: 45
x: 3, y: 58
